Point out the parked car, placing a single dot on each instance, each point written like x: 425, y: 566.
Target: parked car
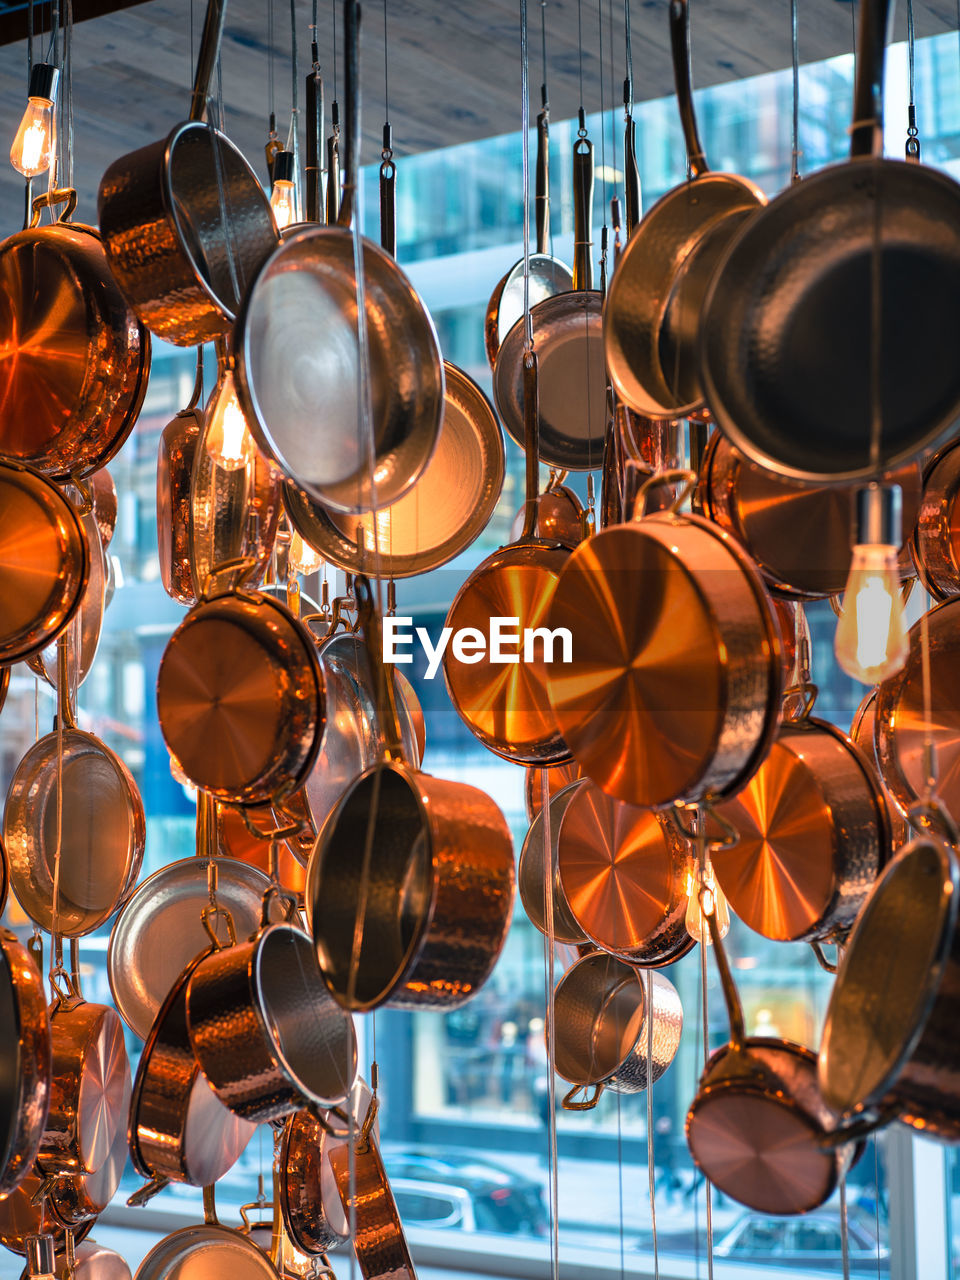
x: 450, y: 1188
x: 808, y: 1243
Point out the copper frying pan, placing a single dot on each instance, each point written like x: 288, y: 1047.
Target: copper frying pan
x: 76, y: 1200
x: 44, y: 562
x: 365, y: 1194
x: 445, y: 511
x: 532, y: 872
x: 547, y: 275
x: 652, y: 311
x: 184, y: 221
x: 76, y: 359
x: 506, y: 707
x: 26, y: 1056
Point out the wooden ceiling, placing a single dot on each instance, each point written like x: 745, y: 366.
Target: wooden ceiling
x: 453, y: 65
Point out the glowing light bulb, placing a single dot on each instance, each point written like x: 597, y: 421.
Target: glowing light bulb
x: 283, y: 196
x: 228, y: 439
x: 703, y: 901
x: 871, y: 641
x: 33, y: 147
x: 302, y: 556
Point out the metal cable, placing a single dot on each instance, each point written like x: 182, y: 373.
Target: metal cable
x: 525, y: 155
x: 795, y: 57
x: 551, y: 1029
x: 386, y: 68
x: 629, y: 43
x: 651, y: 1154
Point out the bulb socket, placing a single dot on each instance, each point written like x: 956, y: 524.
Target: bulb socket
x: 44, y: 81
x: 40, y: 1256
x: 880, y: 515
x: 283, y: 166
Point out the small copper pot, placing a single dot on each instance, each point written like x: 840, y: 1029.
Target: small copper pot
x: 424, y: 865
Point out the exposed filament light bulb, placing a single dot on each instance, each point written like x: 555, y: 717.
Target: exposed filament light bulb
x: 301, y: 556
x: 283, y: 198
x: 871, y: 642
x: 704, y: 892
x: 228, y: 439
x: 33, y: 146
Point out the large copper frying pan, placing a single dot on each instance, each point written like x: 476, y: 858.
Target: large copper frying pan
x: 184, y: 221
x: 445, y: 511
x: 674, y: 690
x: 652, y: 311
x: 298, y: 354
x: 788, y: 323
x: 75, y: 357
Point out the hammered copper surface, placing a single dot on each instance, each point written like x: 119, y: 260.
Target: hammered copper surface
x: 890, y: 1027
x: 175, y: 455
x: 558, y: 777
x: 20, y: 1217
x: 674, y: 690
x: 160, y: 930
x: 265, y: 1031
x: 442, y: 515
x: 297, y: 357
x: 76, y: 1200
x: 249, y: 729
x: 531, y: 872
x: 755, y: 1128
x: 624, y: 872
x: 102, y: 832
x: 813, y: 837
x: 103, y: 494
x: 25, y: 1061
x: 568, y: 338
x: 74, y: 360
x: 603, y: 1029
x: 800, y: 534
x: 89, y: 1089
x: 506, y: 705
x: 438, y: 900
x: 206, y: 1252
x: 901, y: 724
x: 182, y: 250
x: 378, y: 1241
x: 44, y: 562
x: 936, y: 537
x: 179, y: 1129
x: 863, y: 732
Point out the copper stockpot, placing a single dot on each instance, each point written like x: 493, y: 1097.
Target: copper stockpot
x: 936, y: 536
x: 442, y: 515
x: 758, y: 1127
x: 367, y: 1200
x: 184, y: 220
x: 506, y: 707
x: 240, y: 696
x: 44, y: 561
x: 76, y: 359
x: 90, y: 1085
x: 674, y: 690
x: 889, y: 1047
x: 180, y: 1131
x: 625, y: 874
x: 266, y: 1033
x: 531, y: 872
x: 411, y: 885
x: 612, y: 1024
x: 799, y: 533
x: 902, y: 726
x: 25, y: 1051
x: 813, y: 836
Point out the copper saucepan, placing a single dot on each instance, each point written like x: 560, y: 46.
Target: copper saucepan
x: 625, y: 874
x: 44, y: 561
x: 265, y: 1031
x: 675, y: 685
x: 25, y: 1054
x: 568, y: 338
x: 652, y: 311
x: 604, y: 1037
x: 546, y: 275
x: 76, y: 359
x: 72, y: 802
x: 813, y: 835
x: 184, y: 221
x: 889, y: 1037
x: 758, y: 1127
x: 245, y: 730
x: 411, y: 883
x: 207, y: 1249
x: 560, y: 514
x: 367, y: 1200
x: 506, y: 707
x: 799, y: 533
x: 442, y: 515
x: 936, y: 536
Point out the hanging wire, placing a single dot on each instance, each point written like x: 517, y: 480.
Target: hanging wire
x: 333, y: 4
x: 271, y: 85
x: 795, y: 57
x: 293, y: 142
x: 628, y: 40
x: 613, y: 114
x: 29, y: 40
x: 580, y: 52
x: 913, y: 139
x: 525, y: 156
x: 386, y: 68
x: 651, y: 1153
x: 549, y: 971
x: 844, y: 1229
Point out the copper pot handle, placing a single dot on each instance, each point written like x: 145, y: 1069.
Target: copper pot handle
x: 276, y: 892
x: 207, y: 58
x: 64, y: 705
x: 687, y: 481
x: 209, y: 915
x: 683, y: 83
x: 234, y: 572
x: 369, y: 621
x: 542, y: 201
x: 589, y: 1101
x: 861, y: 1126
x: 531, y: 443
x: 63, y: 195
x: 582, y: 211
x: 828, y: 966
x: 731, y: 996
x: 146, y: 1193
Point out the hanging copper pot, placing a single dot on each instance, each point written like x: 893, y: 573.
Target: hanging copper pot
x: 558, y: 777
x: 864, y: 734
x: 76, y: 1200
x: 76, y: 359
x: 24, y: 1212
x: 531, y: 872
x: 367, y: 1200
x: 936, y: 537
x: 25, y: 1053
